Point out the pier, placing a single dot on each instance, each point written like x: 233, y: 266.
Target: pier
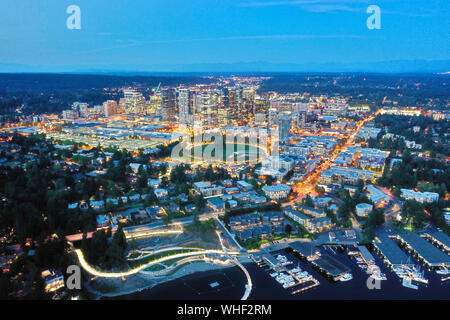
x: 391, y: 253
x: 439, y: 239
x: 314, y: 284
x: 330, y: 266
x: 366, y: 255
x: 271, y: 263
x: 427, y: 253
x: 305, y: 249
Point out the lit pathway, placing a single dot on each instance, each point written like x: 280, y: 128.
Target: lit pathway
x: 249, y: 285
x: 145, y: 254
x: 152, y: 233
x: 85, y: 265
x: 192, y: 256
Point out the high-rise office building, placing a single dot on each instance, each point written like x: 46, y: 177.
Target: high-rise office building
x: 236, y: 100
x: 247, y: 111
x: 168, y: 103
x: 284, y: 125
x: 273, y: 117
x: 122, y: 106
x: 206, y: 108
x: 223, y: 115
x: 262, y: 105
x: 185, y: 101
x: 134, y: 102
x: 110, y: 108
x: 81, y: 108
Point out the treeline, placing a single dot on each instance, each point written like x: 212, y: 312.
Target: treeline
x: 403, y: 125
x: 425, y: 174
x: 100, y: 252
x: 369, y: 89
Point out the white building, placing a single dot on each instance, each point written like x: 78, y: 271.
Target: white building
x: 422, y: 197
x: 363, y: 209
x: 279, y: 191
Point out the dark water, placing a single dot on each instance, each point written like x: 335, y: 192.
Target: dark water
x: 232, y: 280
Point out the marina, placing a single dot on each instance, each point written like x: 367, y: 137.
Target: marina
x: 391, y: 253
x: 323, y: 262
x: 427, y: 253
x: 287, y: 278
x: 266, y: 287
x: 366, y: 261
x: 332, y: 268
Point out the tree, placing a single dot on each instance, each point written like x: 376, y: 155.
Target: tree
x: 288, y: 229
x: 307, y: 201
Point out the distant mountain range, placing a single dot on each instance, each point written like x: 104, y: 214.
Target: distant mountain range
x: 397, y: 66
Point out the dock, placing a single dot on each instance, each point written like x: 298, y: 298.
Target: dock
x: 305, y: 249
x: 389, y: 250
x: 439, y: 239
x: 366, y: 255
x: 314, y: 284
x: 269, y: 262
x: 423, y: 250
x: 330, y: 266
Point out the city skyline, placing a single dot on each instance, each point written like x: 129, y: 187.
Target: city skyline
x: 255, y: 150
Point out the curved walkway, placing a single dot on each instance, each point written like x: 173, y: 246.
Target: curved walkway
x: 145, y: 254
x: 190, y: 255
x: 85, y: 265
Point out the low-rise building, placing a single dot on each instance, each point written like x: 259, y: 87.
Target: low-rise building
x: 277, y: 192
x: 363, y: 209
x: 216, y: 204
x: 161, y: 193
x: 53, y: 280
x: 312, y: 225
x: 422, y: 197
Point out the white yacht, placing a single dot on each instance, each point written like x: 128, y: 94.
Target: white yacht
x: 346, y: 277
x: 443, y: 271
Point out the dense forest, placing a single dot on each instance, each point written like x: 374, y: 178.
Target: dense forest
x: 407, y: 90
x: 41, y: 93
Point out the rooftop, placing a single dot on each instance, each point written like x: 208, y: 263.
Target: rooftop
x: 425, y: 249
x: 392, y: 251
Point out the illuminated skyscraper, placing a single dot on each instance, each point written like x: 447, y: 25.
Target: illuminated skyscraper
x: 186, y: 107
x: 284, y: 127
x: 134, y: 102
x: 81, y: 108
x: 168, y: 103
x: 110, y: 108
x: 206, y: 107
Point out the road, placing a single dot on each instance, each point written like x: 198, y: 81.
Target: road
x: 307, y: 186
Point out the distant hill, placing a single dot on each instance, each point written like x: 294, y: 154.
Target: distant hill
x: 55, y: 81
x: 397, y: 66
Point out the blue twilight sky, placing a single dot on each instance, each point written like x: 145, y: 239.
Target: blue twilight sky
x: 141, y: 34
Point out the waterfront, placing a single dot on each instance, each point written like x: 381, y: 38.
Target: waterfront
x: 231, y: 284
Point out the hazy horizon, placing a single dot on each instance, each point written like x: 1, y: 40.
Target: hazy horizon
x: 209, y: 35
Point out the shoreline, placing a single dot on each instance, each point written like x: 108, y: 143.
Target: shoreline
x: 134, y: 280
